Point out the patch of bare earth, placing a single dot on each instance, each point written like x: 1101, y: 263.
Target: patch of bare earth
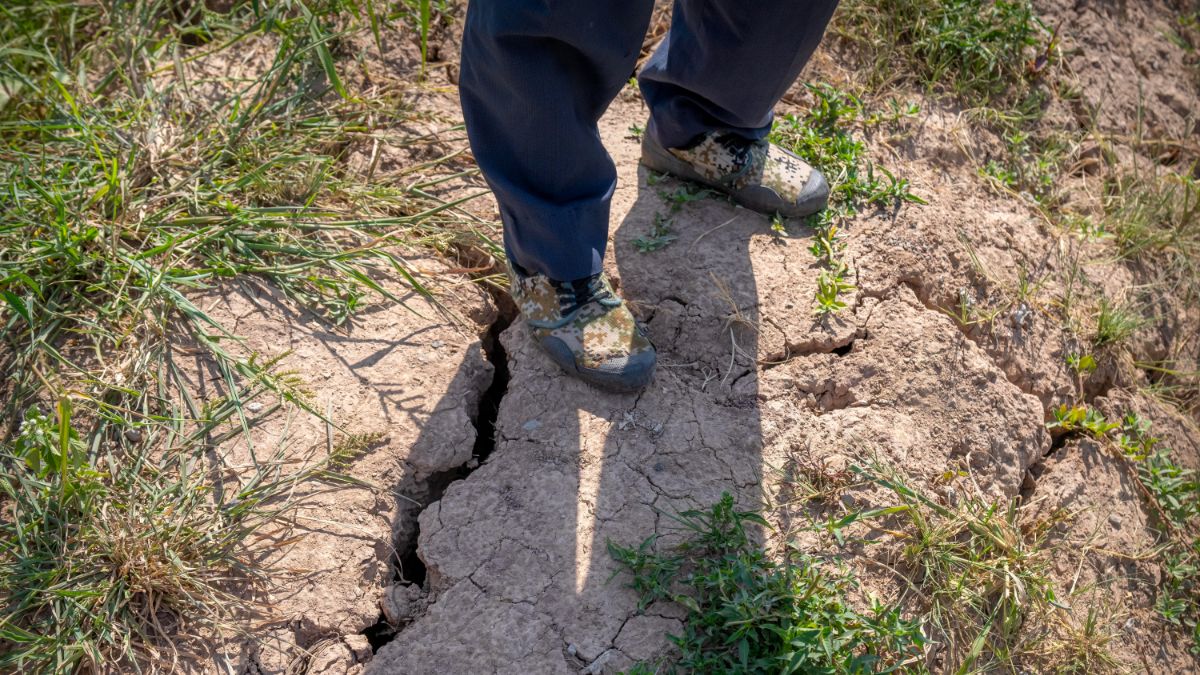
x: 401, y: 388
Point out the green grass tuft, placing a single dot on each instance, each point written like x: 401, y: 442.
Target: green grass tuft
x: 747, y: 613
x: 985, y: 51
x: 132, y: 180
x: 1116, y: 323
x: 1156, y: 219
x: 824, y: 139
x: 114, y: 554
x: 983, y: 568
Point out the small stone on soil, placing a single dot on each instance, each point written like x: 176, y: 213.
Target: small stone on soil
x: 359, y: 646
x: 401, y: 603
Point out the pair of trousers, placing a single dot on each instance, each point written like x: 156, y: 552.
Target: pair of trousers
x: 537, y: 75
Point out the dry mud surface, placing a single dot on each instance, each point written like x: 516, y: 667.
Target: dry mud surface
x: 461, y: 554
x: 516, y: 551
x: 408, y: 379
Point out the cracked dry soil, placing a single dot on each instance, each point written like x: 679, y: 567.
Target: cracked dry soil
x: 475, y: 540
x: 516, y: 552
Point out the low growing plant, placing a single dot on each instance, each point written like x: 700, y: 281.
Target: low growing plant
x: 823, y: 138
x: 982, y: 566
x: 1174, y: 494
x: 748, y: 613
x: 659, y: 235
x: 1081, y: 418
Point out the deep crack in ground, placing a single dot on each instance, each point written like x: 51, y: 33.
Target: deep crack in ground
x: 407, y: 566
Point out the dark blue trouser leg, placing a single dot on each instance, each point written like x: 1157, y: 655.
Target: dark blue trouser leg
x: 725, y: 63
x: 536, y: 77
x: 538, y: 74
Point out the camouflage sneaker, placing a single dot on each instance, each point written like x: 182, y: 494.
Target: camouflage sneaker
x: 586, y: 329
x: 756, y: 174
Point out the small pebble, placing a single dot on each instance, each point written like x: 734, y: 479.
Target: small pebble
x: 1114, y: 520
x: 359, y: 646
x: 1021, y: 315
x: 437, y: 344
x: 254, y: 406
x: 572, y: 650
x: 133, y: 435
x: 472, y: 463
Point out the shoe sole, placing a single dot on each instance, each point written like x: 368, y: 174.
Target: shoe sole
x: 756, y: 198
x: 627, y: 382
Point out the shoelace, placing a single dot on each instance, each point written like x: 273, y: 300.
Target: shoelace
x: 746, y: 155
x: 572, y: 295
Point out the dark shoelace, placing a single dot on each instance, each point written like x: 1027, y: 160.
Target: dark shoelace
x: 746, y: 155
x: 572, y: 295
x: 740, y: 147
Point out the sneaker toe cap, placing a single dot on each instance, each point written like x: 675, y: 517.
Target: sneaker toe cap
x: 815, y: 194
x: 807, y: 200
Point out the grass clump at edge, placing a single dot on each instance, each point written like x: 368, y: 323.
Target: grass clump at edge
x: 982, y: 569
x: 748, y: 613
x: 1174, y: 495
x: 112, y: 558
x: 823, y: 138
x: 128, y: 530
x: 1155, y: 221
x: 981, y: 50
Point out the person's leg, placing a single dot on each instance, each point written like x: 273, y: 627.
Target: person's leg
x: 725, y: 63
x: 536, y: 77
